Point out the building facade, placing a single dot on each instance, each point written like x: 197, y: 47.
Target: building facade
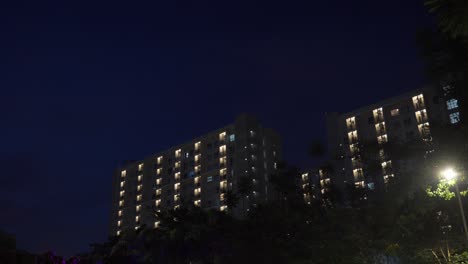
x: 199, y: 172
x: 404, y: 119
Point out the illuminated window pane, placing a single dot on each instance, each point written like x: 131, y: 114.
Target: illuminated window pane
x: 232, y: 137
x: 395, y: 112
x: 454, y: 117
x: 452, y: 103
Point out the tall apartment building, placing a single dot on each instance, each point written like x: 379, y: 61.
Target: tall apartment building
x: 404, y: 119
x: 198, y: 172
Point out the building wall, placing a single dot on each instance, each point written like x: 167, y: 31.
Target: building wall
x: 199, y: 172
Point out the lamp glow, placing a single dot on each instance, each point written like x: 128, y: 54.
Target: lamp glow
x: 449, y: 174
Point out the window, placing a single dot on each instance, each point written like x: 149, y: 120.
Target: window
x: 209, y: 179
x: 452, y: 104
x: 395, y: 112
x: 252, y: 133
x: 370, y: 120
x: 123, y: 173
x: 454, y: 118
x: 140, y: 167
x: 232, y: 137
x: 139, y: 198
x: 187, y: 155
x: 407, y: 122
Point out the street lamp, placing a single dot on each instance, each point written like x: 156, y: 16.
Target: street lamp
x: 450, y: 174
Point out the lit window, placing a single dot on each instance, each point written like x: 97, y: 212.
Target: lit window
x: 120, y: 212
x: 118, y: 232
x: 122, y: 184
x: 158, y: 181
x: 232, y: 137
x: 139, y: 187
x: 222, y: 150
x: 140, y: 167
x: 177, y: 176
x: 138, y: 207
x: 418, y: 102
x: 140, y: 177
x: 197, y: 145
x: 452, y: 103
x: 137, y: 218
x: 351, y: 123
x: 395, y: 112
x: 156, y: 224
x: 209, y: 179
x: 187, y: 155
x: 121, y: 203
x: 178, y: 153
x: 123, y: 173
x: 177, y: 164
x: 252, y: 133
x: 274, y: 165
x: 122, y: 193
x: 157, y: 202
x: 159, y: 160
x: 222, y: 136
x: 139, y: 197
x: 158, y: 171
x: 177, y: 186
x: 136, y: 227
x: 454, y: 118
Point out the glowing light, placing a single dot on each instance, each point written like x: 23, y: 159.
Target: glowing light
x: 449, y: 174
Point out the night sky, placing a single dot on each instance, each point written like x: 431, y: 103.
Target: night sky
x: 87, y: 85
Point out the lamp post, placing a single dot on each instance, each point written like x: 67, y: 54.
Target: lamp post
x: 450, y: 174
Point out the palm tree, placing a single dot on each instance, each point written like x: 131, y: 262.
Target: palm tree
x: 231, y: 199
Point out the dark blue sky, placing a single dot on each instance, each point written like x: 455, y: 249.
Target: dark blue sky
x: 86, y: 85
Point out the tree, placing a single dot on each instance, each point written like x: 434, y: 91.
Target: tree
x: 452, y: 16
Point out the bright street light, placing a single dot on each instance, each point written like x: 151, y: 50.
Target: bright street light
x: 449, y: 174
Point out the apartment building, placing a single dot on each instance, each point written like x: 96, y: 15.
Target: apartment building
x: 404, y: 119
x: 198, y: 172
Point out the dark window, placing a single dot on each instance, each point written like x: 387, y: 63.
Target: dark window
x: 168, y: 202
x: 407, y: 122
x: 209, y: 157
x: 410, y: 134
x: 397, y: 125
x: 370, y: 120
x: 169, y: 171
x: 216, y: 154
x: 209, y: 145
x: 191, y: 152
x: 435, y: 99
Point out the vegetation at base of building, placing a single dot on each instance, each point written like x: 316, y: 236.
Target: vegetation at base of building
x: 402, y: 225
